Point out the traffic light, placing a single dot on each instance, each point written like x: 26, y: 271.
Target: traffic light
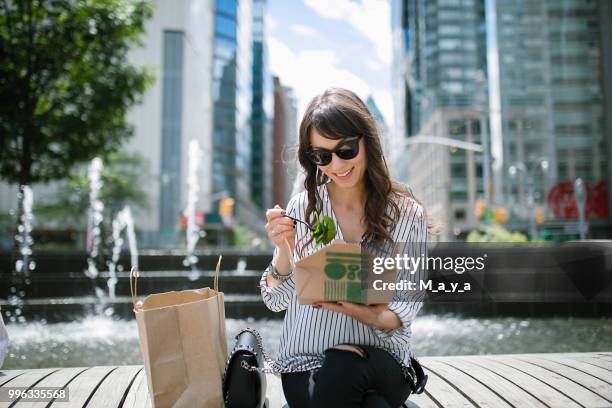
x: 479, y: 208
x: 226, y: 207
x: 226, y: 211
x: 500, y: 215
x: 539, y: 215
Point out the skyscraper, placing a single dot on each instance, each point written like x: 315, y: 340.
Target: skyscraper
x: 534, y: 102
x: 233, y: 102
x: 551, y: 101
x: 262, y: 112
x: 439, y: 69
x: 231, y: 95
x: 284, y: 166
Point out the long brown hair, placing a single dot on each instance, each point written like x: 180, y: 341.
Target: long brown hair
x: 337, y: 114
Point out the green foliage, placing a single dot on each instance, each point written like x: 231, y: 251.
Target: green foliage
x: 324, y: 229
x: 495, y: 233
x: 242, y: 236
x: 65, y: 83
x: 124, y: 180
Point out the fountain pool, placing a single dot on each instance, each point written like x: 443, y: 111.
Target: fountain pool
x: 98, y: 340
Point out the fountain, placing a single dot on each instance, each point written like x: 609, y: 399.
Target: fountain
x: 96, y: 209
x: 193, y: 232
x: 24, y: 264
x: 24, y: 230
x: 123, y: 220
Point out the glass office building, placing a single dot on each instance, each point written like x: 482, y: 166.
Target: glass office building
x: 440, y: 90
x: 262, y: 112
x: 171, y: 124
x: 551, y: 98
x: 232, y: 97
x: 529, y: 74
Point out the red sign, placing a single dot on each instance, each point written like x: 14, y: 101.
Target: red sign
x: 199, y: 219
x: 562, y: 203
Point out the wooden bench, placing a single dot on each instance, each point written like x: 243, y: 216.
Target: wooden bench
x: 513, y: 380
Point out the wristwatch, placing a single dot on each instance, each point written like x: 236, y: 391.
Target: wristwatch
x: 271, y: 269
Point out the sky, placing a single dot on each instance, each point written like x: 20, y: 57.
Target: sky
x: 316, y: 44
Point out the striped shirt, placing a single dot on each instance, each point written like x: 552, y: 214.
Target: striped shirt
x: 308, y: 331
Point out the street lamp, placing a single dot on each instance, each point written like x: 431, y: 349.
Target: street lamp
x: 513, y: 171
x: 580, y: 197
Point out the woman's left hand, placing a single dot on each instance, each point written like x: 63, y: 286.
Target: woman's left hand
x: 366, y: 314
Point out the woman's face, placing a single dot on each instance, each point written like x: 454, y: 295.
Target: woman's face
x: 346, y: 173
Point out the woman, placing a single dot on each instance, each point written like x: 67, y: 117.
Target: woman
x: 344, y: 354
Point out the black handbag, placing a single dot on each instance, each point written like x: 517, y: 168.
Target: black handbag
x: 244, y: 382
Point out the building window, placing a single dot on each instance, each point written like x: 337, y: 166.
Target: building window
x: 225, y: 26
x: 457, y: 196
x: 227, y: 7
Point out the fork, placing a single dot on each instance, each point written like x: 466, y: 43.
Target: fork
x: 284, y: 214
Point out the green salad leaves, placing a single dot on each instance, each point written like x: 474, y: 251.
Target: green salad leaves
x: 323, y: 230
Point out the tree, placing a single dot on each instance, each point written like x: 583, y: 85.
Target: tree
x: 65, y: 82
x: 123, y: 178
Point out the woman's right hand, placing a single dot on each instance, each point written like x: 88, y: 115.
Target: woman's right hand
x: 280, y: 228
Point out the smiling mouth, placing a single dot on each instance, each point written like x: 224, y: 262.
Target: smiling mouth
x: 346, y: 173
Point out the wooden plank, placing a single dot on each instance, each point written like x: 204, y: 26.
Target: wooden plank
x: 114, y: 387
x: 81, y: 388
x: 577, y: 392
x: 515, y: 395
x: 596, y: 385
x: 534, y: 386
x: 595, y: 371
x: 421, y: 401
x: 602, y: 356
x: 138, y: 395
x: 6, y: 376
x: 31, y: 377
x: 596, y: 362
x: 442, y: 392
x: 481, y: 395
x: 60, y: 378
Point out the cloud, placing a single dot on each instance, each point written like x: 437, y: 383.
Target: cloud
x: 310, y: 72
x: 384, y: 101
x: 303, y: 30
x: 370, y: 18
x: 373, y: 65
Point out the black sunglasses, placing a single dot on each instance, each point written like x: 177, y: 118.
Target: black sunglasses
x: 346, y: 150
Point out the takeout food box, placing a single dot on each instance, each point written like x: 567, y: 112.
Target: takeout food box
x: 340, y: 272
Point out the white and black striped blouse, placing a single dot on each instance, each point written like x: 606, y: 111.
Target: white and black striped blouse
x: 308, y: 332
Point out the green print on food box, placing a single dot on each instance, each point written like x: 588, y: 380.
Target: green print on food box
x: 346, y: 277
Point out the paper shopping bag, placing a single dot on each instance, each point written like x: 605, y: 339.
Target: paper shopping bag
x: 340, y: 272
x: 183, y: 344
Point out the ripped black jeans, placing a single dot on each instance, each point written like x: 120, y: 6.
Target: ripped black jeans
x: 349, y: 380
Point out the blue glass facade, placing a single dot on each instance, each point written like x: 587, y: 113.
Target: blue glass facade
x: 172, y: 99
x: 224, y: 97
x: 231, y: 88
x: 262, y: 111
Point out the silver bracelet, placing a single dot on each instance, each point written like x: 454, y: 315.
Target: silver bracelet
x: 271, y: 269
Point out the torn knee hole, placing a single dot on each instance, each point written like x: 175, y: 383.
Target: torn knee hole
x: 351, y: 348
